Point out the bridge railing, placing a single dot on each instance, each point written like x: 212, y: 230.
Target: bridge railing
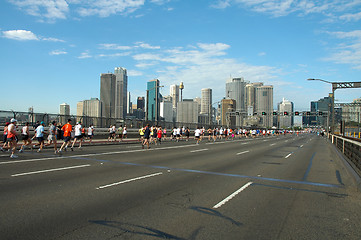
x: 350, y: 148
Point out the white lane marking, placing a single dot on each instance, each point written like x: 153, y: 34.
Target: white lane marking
x: 215, y: 143
x: 286, y: 141
x: 129, y: 180
x: 301, y: 146
x: 232, y: 195
x: 272, y: 144
x: 242, y: 152
x: 50, y: 170
x: 288, y: 155
x: 199, y: 150
x: 244, y: 143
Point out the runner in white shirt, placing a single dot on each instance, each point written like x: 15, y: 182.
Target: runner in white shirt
x: 197, y: 135
x: 90, y: 133
x: 26, y: 137
x: 78, y: 135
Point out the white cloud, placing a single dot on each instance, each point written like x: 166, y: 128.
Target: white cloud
x: 105, y: 8
x: 202, y: 65
x: 25, y: 35
x: 58, y: 52
x: 279, y: 8
x: 20, y: 35
x: 45, y: 9
x: 146, y: 45
x: 134, y: 73
x: 84, y: 55
x: 111, y: 46
x: 115, y: 54
x: 349, y: 51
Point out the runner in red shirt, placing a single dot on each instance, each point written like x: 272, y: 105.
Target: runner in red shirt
x: 159, y: 135
x: 67, y: 128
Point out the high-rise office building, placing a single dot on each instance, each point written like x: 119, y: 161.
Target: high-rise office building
x: 89, y: 111
x: 174, y: 93
x: 166, y: 109
x: 129, y: 104
x: 107, y: 94
x: 153, y: 100
x: 187, y: 111
x: 121, y: 89
x: 264, y: 103
x: 285, y: 121
x: 64, y: 112
x: 228, y: 116
x: 206, y: 101
x: 236, y: 89
x: 250, y: 97
x: 140, y: 103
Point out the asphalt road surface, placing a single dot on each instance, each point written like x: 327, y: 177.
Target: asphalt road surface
x: 282, y: 187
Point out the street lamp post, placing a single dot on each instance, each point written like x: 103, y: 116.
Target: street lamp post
x: 336, y: 85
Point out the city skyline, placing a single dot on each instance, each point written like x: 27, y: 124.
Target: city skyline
x: 54, y: 51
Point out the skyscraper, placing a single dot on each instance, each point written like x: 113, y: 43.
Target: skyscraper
x: 153, y: 100
x: 174, y: 93
x: 187, y: 111
x: 90, y: 111
x: 129, y: 104
x: 121, y: 89
x: 264, y: 103
x: 285, y: 121
x: 206, y: 101
x: 228, y: 106
x: 64, y: 112
x: 107, y: 94
x: 236, y: 89
x: 140, y: 103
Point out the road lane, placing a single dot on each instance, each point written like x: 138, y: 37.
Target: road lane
x: 177, y: 204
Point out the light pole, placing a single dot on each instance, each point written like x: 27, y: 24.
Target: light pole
x: 336, y: 85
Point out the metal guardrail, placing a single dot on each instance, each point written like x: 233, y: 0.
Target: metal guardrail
x: 351, y: 149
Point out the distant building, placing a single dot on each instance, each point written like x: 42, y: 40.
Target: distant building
x: 352, y: 112
x: 129, y: 104
x: 64, y: 113
x: 174, y: 93
x: 107, y: 94
x: 236, y: 89
x: 121, y: 90
x: 228, y: 107
x: 264, y: 103
x: 250, y: 97
x: 206, y: 105
x: 153, y: 100
x: 166, y: 110
x: 187, y: 111
x: 285, y: 121
x: 140, y: 103
x: 323, y: 105
x: 90, y: 112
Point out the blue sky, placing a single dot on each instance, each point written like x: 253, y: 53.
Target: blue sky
x: 53, y: 51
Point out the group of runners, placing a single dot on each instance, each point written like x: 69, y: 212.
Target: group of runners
x: 147, y: 135
x: 55, y: 132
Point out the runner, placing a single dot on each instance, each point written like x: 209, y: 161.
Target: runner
x: 125, y: 133
x: 159, y: 135
x: 78, y: 135
x: 120, y: 133
x: 187, y: 132
x: 91, y: 133
x: 5, y: 137
x: 11, y: 137
x: 197, y: 135
x: 210, y: 133
x: 165, y: 134
x: 25, y: 135
x: 141, y: 134
x: 52, y: 136
x: 39, y: 134
x: 154, y: 135
x: 67, y: 129
x: 146, y: 136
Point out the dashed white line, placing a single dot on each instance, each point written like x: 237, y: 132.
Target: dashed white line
x: 50, y: 170
x: 272, y: 144
x: 129, y: 180
x: 301, y: 146
x: 288, y: 155
x: 242, y: 152
x: 199, y: 150
x: 232, y: 195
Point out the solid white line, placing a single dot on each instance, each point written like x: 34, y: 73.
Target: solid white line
x: 232, y: 195
x: 129, y: 180
x: 199, y: 150
x: 215, y: 143
x: 242, y: 152
x: 50, y: 170
x: 244, y: 143
x: 288, y: 155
